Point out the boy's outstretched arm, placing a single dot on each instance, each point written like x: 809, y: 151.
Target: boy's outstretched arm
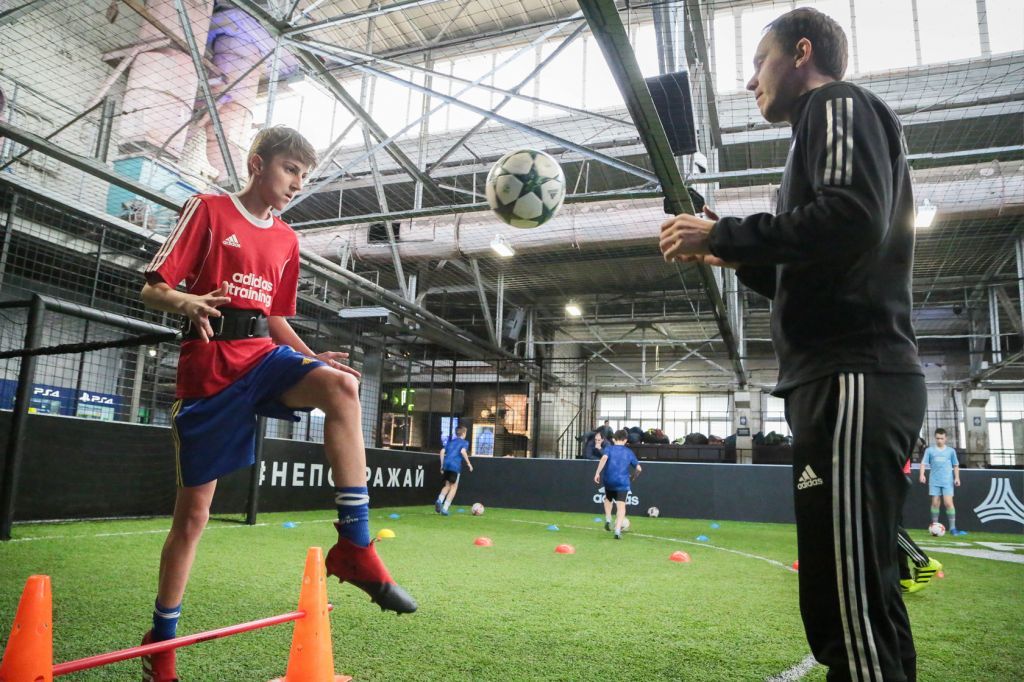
x: 198, y: 309
x: 283, y: 335
x: 465, y: 456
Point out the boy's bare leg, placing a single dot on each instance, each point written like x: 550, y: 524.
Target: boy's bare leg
x: 191, y: 512
x: 453, y: 488
x: 353, y: 558
x: 620, y: 506
x: 337, y: 395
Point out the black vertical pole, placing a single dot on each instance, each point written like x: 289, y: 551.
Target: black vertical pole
x: 254, y: 475
x: 92, y: 302
x: 430, y: 409
x: 451, y: 404
x: 19, y: 419
x: 497, y: 405
x: 408, y: 404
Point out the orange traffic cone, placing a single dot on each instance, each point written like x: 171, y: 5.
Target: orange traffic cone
x: 29, y: 653
x: 311, y: 658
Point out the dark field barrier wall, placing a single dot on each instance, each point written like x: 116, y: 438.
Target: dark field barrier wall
x: 77, y: 468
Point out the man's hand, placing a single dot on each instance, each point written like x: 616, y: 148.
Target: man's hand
x: 332, y: 358
x: 685, y: 235
x: 199, y: 309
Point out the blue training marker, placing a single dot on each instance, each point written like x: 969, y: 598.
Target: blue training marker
x: 598, y: 519
x: 552, y: 527
x: 715, y: 525
x: 702, y: 538
x: 462, y: 510
x: 393, y: 515
x: 288, y: 524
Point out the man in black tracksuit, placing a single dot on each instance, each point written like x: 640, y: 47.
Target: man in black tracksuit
x: 836, y: 260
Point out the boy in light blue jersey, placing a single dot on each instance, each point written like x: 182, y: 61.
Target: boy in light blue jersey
x: 452, y: 454
x: 617, y: 464
x: 945, y: 476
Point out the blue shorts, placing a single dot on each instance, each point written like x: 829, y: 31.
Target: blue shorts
x: 943, y: 490
x: 214, y: 436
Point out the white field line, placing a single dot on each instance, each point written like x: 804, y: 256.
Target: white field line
x: 708, y: 545
x: 797, y: 672
x: 151, y: 532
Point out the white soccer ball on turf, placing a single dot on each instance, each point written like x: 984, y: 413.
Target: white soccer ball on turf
x: 653, y: 512
x: 937, y: 529
x: 625, y: 524
x: 525, y: 188
x: 477, y: 509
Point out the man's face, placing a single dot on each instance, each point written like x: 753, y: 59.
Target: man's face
x: 940, y: 440
x: 774, y: 82
x: 280, y: 179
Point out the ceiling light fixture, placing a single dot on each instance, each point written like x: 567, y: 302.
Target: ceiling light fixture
x: 925, y: 214
x: 501, y: 247
x: 573, y: 309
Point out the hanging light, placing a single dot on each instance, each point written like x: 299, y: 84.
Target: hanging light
x: 501, y: 247
x: 925, y: 214
x: 573, y: 309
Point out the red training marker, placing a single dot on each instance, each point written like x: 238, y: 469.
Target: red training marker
x: 483, y: 542
x: 796, y: 565
x: 679, y: 557
x: 565, y: 549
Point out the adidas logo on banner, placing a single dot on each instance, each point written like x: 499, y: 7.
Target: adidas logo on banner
x: 808, y: 479
x: 232, y: 241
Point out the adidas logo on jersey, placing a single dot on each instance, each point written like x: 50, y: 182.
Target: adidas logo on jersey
x: 232, y: 241
x: 808, y: 479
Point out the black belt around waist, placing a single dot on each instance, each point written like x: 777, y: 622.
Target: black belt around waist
x: 233, y: 324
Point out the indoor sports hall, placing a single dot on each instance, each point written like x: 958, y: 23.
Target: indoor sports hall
x: 582, y: 264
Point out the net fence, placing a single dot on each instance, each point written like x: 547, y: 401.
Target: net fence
x: 410, y: 104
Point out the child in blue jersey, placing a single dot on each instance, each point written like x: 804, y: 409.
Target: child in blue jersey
x: 945, y: 476
x: 452, y: 454
x: 619, y: 466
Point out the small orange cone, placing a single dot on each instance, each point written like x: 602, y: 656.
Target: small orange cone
x: 311, y: 658
x: 29, y: 653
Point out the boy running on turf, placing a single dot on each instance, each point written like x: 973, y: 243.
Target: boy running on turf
x: 452, y: 454
x: 616, y: 463
x: 239, y: 359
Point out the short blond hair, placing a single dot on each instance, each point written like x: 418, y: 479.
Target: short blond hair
x: 277, y: 140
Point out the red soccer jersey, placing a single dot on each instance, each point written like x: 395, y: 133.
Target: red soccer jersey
x: 216, y: 240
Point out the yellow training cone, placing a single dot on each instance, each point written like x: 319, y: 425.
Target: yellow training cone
x: 385, y: 533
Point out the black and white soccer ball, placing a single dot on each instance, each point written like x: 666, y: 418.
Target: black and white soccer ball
x: 653, y: 512
x: 525, y: 188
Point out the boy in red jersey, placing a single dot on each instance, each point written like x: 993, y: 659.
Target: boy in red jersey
x: 240, y: 359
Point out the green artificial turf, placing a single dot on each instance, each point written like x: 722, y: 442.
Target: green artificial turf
x: 513, y: 611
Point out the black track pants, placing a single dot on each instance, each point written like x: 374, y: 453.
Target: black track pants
x: 851, y: 435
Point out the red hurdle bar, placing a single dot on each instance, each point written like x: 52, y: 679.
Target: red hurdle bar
x: 176, y: 643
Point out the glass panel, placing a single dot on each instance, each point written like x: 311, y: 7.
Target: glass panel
x: 602, y: 91
x: 646, y: 48
x: 609, y: 406
x: 509, y: 75
x: 949, y: 30
x: 469, y: 68
x: 1005, y: 19
x: 562, y: 81
x: 724, y: 47
x: 885, y: 37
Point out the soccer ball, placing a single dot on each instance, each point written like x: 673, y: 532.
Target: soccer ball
x: 653, y: 512
x: 937, y: 529
x: 477, y: 509
x: 625, y: 524
x: 525, y: 188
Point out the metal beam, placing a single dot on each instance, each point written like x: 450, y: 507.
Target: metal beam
x: 359, y: 16
x: 204, y: 87
x: 86, y: 164
x: 477, y: 207
x: 512, y: 123
x: 341, y: 51
x: 484, y: 305
x: 607, y: 28
x: 1019, y: 248
x: 276, y: 28
x: 700, y: 43
x: 513, y: 93
x: 21, y: 9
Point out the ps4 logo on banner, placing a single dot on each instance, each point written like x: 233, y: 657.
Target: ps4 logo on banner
x: 631, y: 500
x: 46, y: 392
x: 96, y: 398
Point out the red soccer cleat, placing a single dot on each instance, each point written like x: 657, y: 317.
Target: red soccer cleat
x: 363, y: 568
x: 158, y: 667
